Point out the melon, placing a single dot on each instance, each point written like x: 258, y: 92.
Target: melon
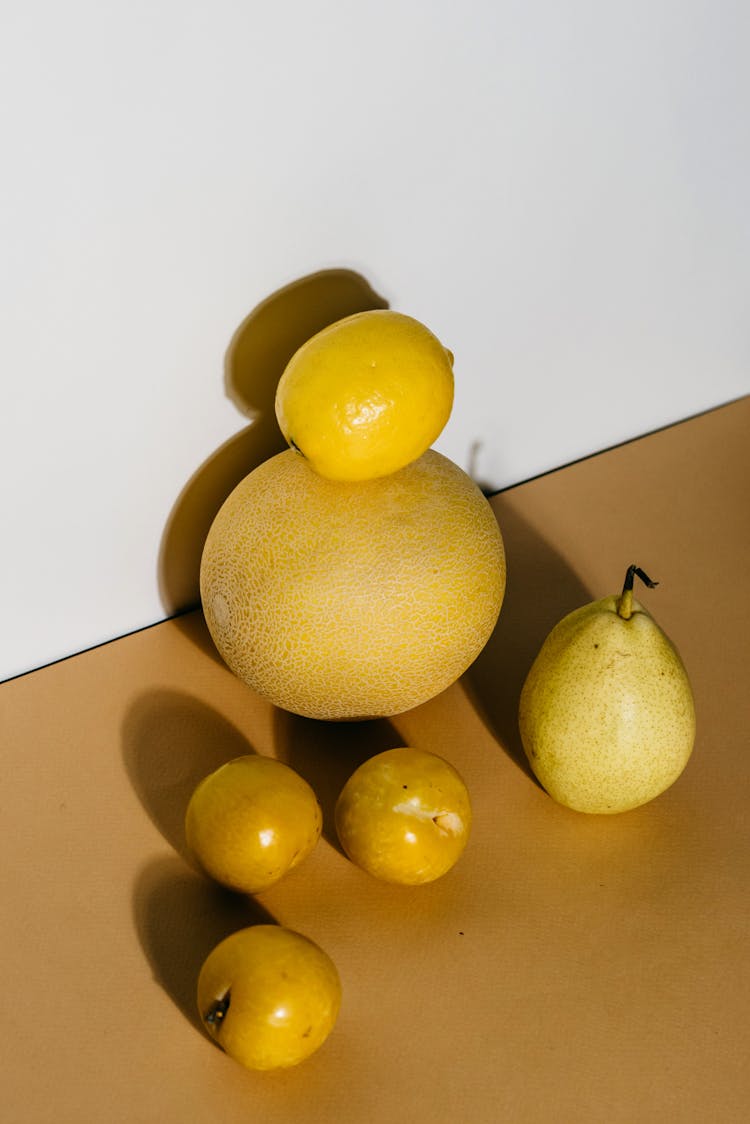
x: 338, y: 600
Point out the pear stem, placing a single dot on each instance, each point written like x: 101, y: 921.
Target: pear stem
x: 625, y: 601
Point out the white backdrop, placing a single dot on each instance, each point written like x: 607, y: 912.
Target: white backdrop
x: 558, y: 188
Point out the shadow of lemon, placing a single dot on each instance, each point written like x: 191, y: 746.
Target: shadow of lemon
x: 255, y: 360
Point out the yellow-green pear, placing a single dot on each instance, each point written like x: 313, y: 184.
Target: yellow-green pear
x: 606, y: 714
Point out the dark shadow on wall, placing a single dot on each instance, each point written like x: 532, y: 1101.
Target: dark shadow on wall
x: 257, y: 355
x: 541, y: 589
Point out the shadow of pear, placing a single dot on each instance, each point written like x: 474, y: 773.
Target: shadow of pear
x: 170, y: 742
x: 180, y: 916
x: 541, y: 589
x: 327, y: 753
x: 255, y: 360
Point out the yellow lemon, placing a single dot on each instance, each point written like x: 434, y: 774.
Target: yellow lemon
x: 366, y: 396
x: 340, y: 601
x: 251, y: 821
x: 268, y: 996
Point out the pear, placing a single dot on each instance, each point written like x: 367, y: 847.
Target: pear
x: 606, y: 714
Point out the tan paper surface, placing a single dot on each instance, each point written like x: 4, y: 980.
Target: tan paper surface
x: 570, y: 968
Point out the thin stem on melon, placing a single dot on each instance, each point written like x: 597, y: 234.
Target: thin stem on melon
x: 625, y: 601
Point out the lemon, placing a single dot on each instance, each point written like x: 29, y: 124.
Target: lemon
x: 366, y: 396
x: 338, y: 600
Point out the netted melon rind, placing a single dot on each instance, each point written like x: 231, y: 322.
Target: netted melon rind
x: 339, y: 601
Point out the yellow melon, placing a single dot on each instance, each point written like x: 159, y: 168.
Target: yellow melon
x: 351, y: 600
